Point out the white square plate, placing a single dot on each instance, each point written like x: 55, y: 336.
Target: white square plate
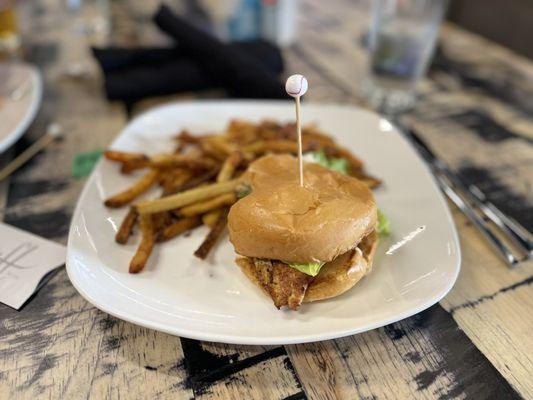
x: 213, y: 300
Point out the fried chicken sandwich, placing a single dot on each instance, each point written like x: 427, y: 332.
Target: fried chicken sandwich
x: 303, y: 244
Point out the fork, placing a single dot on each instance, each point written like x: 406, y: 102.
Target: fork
x: 468, y: 198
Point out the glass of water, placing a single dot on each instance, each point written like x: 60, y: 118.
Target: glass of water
x: 90, y: 18
x: 402, y: 39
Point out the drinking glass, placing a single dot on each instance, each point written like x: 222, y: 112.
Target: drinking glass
x: 90, y: 18
x: 402, y: 39
x: 88, y: 23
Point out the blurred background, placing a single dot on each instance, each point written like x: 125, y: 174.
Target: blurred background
x: 391, y: 43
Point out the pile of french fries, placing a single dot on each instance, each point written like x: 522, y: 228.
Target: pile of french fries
x: 200, y: 181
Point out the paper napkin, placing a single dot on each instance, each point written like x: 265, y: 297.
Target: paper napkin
x: 24, y: 260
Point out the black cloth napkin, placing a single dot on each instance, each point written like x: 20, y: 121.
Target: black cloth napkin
x: 197, y: 62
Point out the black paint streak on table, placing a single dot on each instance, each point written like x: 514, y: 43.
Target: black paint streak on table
x: 204, y: 368
x: 50, y: 224
x: 476, y: 120
x: 296, y: 396
x: 27, y: 188
x: 503, y: 197
x: 503, y: 83
x: 474, y: 375
x: 35, y: 317
x: 485, y: 126
x: 474, y: 303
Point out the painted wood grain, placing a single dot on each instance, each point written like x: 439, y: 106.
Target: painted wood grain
x: 493, y: 304
x: 425, y: 356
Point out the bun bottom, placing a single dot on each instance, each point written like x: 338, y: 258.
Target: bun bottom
x: 335, y: 277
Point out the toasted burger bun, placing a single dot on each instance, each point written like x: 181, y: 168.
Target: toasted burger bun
x: 341, y: 274
x: 335, y: 277
x: 280, y: 220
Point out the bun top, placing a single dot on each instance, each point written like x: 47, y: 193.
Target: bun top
x: 280, y: 220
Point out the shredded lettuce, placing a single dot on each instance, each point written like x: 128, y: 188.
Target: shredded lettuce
x: 339, y: 164
x: 310, y: 268
x: 383, y: 225
x: 382, y: 228
x: 336, y: 164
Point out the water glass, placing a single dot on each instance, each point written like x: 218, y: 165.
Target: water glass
x: 402, y: 40
x: 90, y: 18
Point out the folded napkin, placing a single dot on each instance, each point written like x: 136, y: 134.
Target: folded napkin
x: 197, y: 62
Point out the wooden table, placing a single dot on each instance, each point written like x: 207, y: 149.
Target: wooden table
x: 476, y: 110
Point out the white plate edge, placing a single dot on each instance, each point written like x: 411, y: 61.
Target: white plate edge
x: 31, y: 112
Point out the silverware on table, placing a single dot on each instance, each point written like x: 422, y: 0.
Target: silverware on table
x: 478, y: 222
x: 468, y: 198
x: 53, y: 131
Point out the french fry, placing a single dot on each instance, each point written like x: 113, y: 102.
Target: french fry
x: 179, y: 160
x: 242, y: 132
x: 178, y: 227
x: 161, y: 221
x: 212, y: 149
x: 222, y: 144
x: 264, y: 146
x: 371, y: 182
x: 229, y: 166
x: 175, y: 180
x: 368, y: 180
x: 130, y: 166
x: 122, y: 156
x: 194, y: 182
x: 213, y: 236
x: 226, y: 173
x: 288, y: 131
x: 166, y: 176
x: 130, y: 161
x: 185, y: 198
x: 141, y: 186
x: 317, y: 137
x: 185, y: 137
x: 209, y: 219
x: 226, y: 199
x: 126, y: 227
x: 274, y: 146
x: 270, y: 130
x: 138, y: 262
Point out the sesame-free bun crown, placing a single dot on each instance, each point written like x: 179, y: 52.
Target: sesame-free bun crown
x: 281, y: 220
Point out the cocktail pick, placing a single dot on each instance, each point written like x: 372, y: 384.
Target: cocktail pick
x: 296, y: 86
